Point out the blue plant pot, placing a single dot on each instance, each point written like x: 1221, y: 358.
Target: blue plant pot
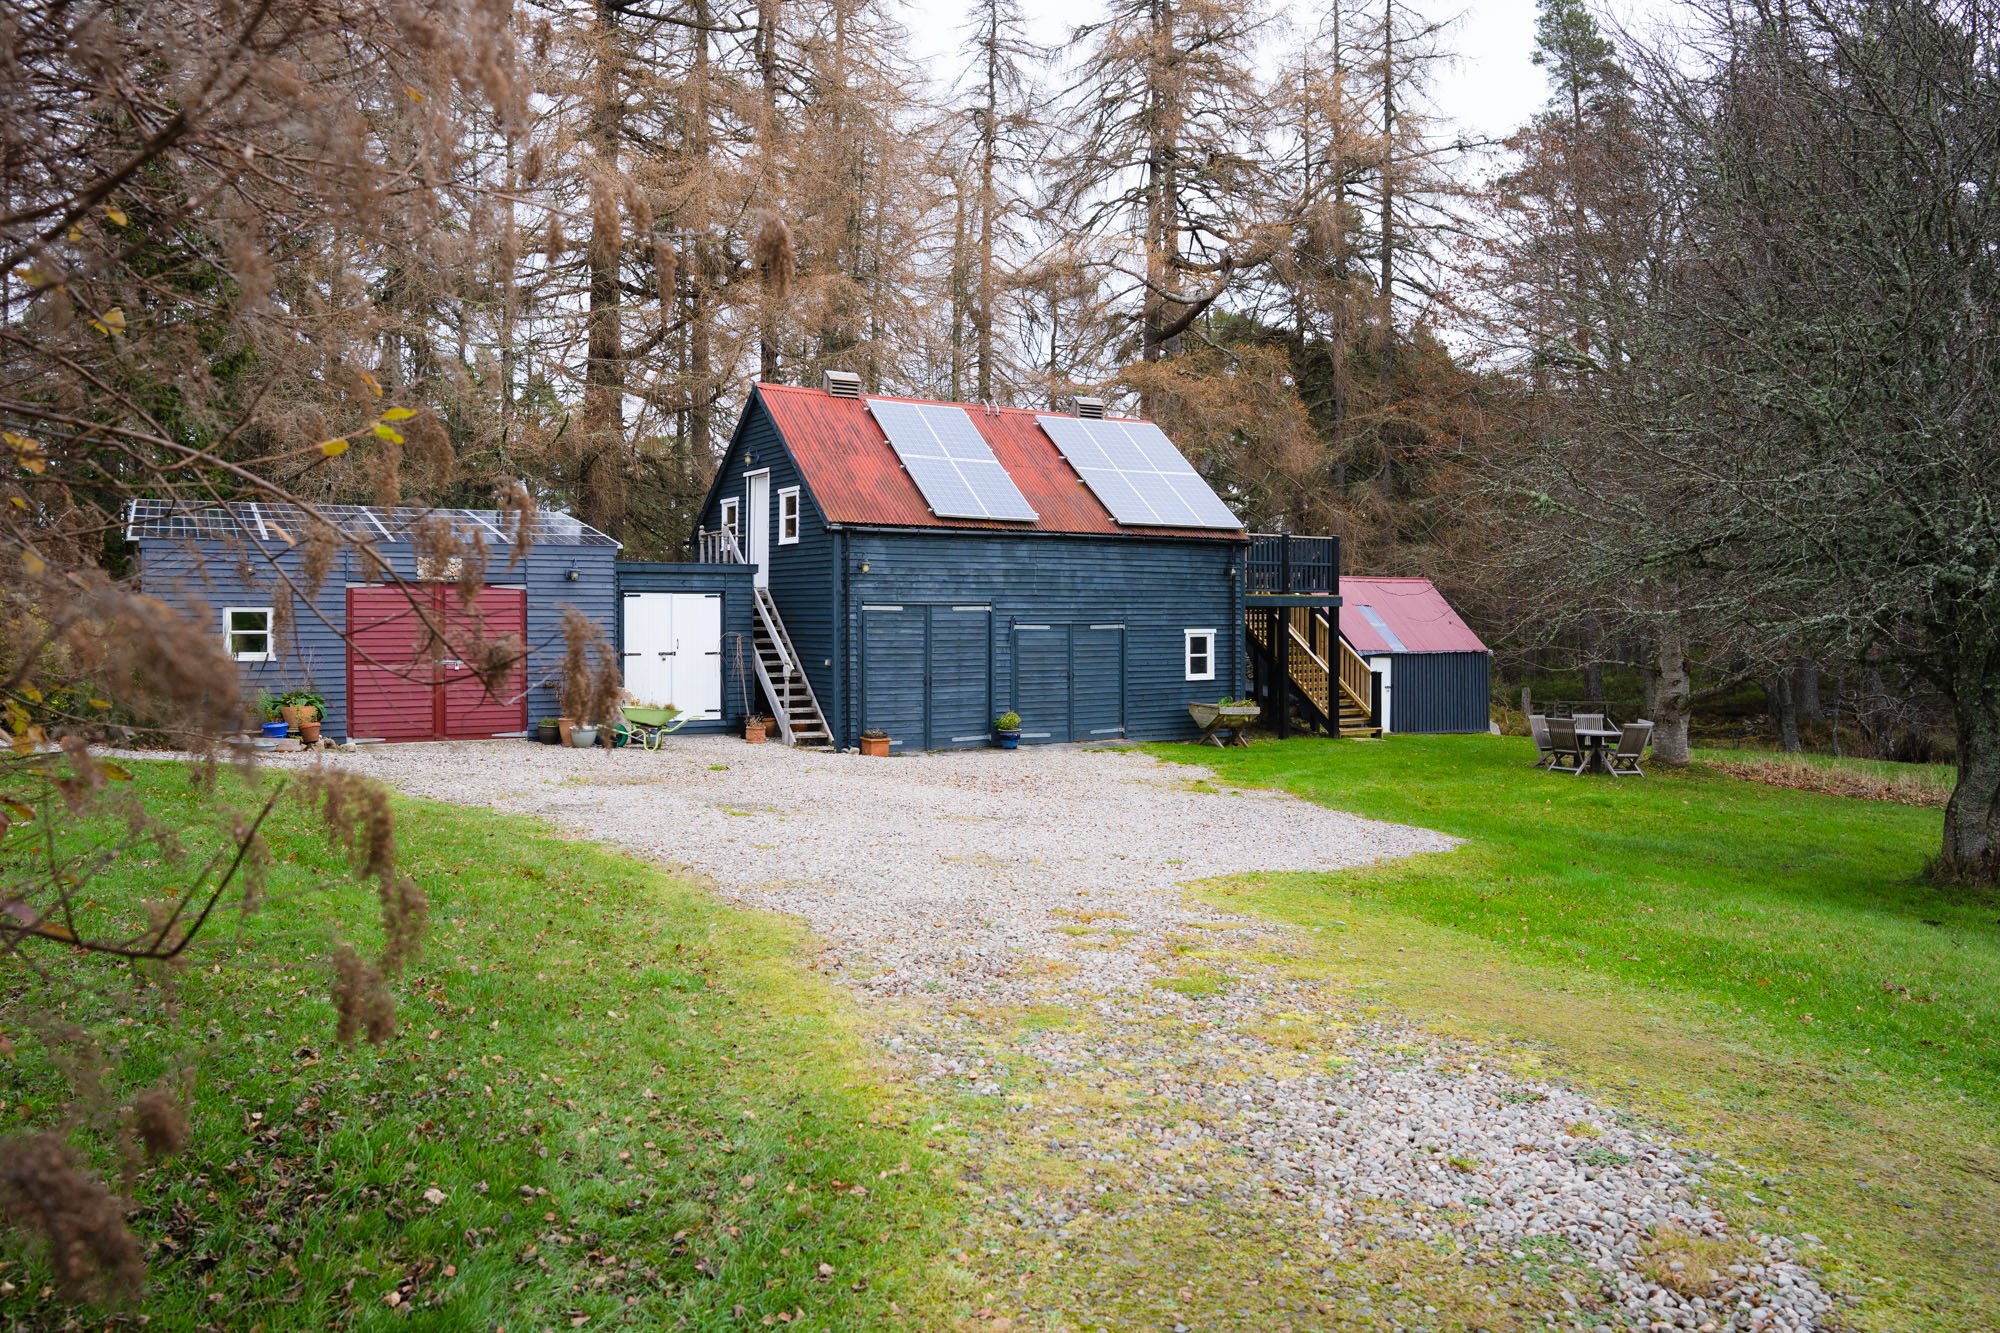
x: 276, y: 730
x: 1009, y: 740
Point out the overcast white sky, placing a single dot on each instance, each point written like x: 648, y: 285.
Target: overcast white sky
x: 1489, y: 92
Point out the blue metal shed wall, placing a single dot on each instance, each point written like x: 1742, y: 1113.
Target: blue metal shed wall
x: 203, y: 577
x: 803, y: 577
x: 733, y: 583
x: 1440, y: 692
x: 1156, y: 589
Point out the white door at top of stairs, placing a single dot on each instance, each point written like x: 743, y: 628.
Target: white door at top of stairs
x: 673, y: 651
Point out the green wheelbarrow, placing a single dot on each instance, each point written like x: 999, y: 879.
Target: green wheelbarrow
x: 647, y: 725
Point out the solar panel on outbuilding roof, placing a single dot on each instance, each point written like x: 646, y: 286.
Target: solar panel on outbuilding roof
x: 950, y: 461
x: 1135, y: 470
x: 238, y: 520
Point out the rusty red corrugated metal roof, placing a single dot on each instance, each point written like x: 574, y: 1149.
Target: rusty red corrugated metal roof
x: 856, y: 477
x: 1380, y: 615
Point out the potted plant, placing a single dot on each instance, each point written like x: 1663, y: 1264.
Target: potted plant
x: 547, y: 732
x: 267, y: 712
x: 875, y: 741
x: 309, y: 731
x: 754, y: 727
x: 298, y: 707
x: 1007, y: 727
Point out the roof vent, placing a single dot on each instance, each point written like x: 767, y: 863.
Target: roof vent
x: 1092, y: 408
x: 842, y: 383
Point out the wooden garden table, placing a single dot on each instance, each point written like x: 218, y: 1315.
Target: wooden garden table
x: 1594, y: 739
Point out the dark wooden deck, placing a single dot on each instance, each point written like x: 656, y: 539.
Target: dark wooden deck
x: 1286, y: 569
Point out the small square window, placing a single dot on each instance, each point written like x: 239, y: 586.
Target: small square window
x: 247, y: 629
x: 731, y: 509
x: 788, y: 516
x: 1200, y: 645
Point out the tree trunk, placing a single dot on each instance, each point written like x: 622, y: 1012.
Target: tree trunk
x: 989, y: 152
x: 1805, y: 690
x: 1667, y: 678
x: 1784, y: 710
x: 601, y: 474
x: 1971, y: 852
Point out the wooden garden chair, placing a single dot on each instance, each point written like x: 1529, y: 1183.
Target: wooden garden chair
x: 1633, y: 737
x: 1566, y: 752
x: 1538, y: 727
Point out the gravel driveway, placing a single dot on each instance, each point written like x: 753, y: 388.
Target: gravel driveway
x: 1152, y: 1103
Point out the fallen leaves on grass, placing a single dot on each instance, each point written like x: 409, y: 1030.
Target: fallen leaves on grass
x: 1917, y: 787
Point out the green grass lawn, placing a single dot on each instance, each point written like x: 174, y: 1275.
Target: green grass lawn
x: 614, y: 1103
x: 1760, y: 969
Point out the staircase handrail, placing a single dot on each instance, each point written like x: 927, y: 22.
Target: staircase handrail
x: 782, y: 696
x: 1355, y: 677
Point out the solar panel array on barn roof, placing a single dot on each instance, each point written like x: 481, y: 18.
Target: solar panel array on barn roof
x: 256, y: 520
x: 950, y: 461
x: 857, y: 475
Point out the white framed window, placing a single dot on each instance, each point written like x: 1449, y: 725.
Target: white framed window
x: 247, y: 631
x: 788, y: 516
x: 732, y: 514
x: 1200, y: 653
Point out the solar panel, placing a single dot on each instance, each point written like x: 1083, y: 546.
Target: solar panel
x: 949, y: 460
x: 1134, y: 469
x: 158, y: 517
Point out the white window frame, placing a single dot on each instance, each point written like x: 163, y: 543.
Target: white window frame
x: 270, y: 633
x: 788, y: 516
x: 732, y: 514
x: 1188, y: 640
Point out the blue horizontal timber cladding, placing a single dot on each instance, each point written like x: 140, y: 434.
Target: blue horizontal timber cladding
x: 732, y: 584
x: 943, y: 664
x: 804, y: 576
x: 1440, y: 692
x: 1086, y: 635
x: 200, y: 578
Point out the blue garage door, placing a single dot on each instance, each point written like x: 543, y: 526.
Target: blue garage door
x: 1069, y: 681
x: 927, y: 674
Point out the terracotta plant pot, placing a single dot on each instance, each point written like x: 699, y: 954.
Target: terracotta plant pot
x: 875, y: 745
x: 309, y: 732
x: 754, y: 730
x: 295, y: 715
x: 564, y: 727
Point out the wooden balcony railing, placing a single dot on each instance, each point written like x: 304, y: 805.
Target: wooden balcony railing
x: 1283, y: 564
x: 719, y: 547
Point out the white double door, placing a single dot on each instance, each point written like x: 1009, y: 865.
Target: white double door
x: 673, y: 650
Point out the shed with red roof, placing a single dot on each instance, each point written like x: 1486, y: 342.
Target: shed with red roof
x: 1432, y: 672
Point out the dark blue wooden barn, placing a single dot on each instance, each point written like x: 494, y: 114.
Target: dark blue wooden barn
x: 920, y: 568
x: 363, y: 641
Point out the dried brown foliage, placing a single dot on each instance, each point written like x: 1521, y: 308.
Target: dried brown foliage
x: 357, y: 813
x: 361, y: 999
x: 592, y: 685
x: 94, y: 1254
x: 777, y: 259
x: 159, y: 1120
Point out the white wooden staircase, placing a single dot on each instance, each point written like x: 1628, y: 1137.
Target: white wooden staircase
x: 794, y: 708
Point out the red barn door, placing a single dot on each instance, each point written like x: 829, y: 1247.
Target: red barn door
x: 399, y: 685
x: 391, y: 677
x: 471, y: 710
